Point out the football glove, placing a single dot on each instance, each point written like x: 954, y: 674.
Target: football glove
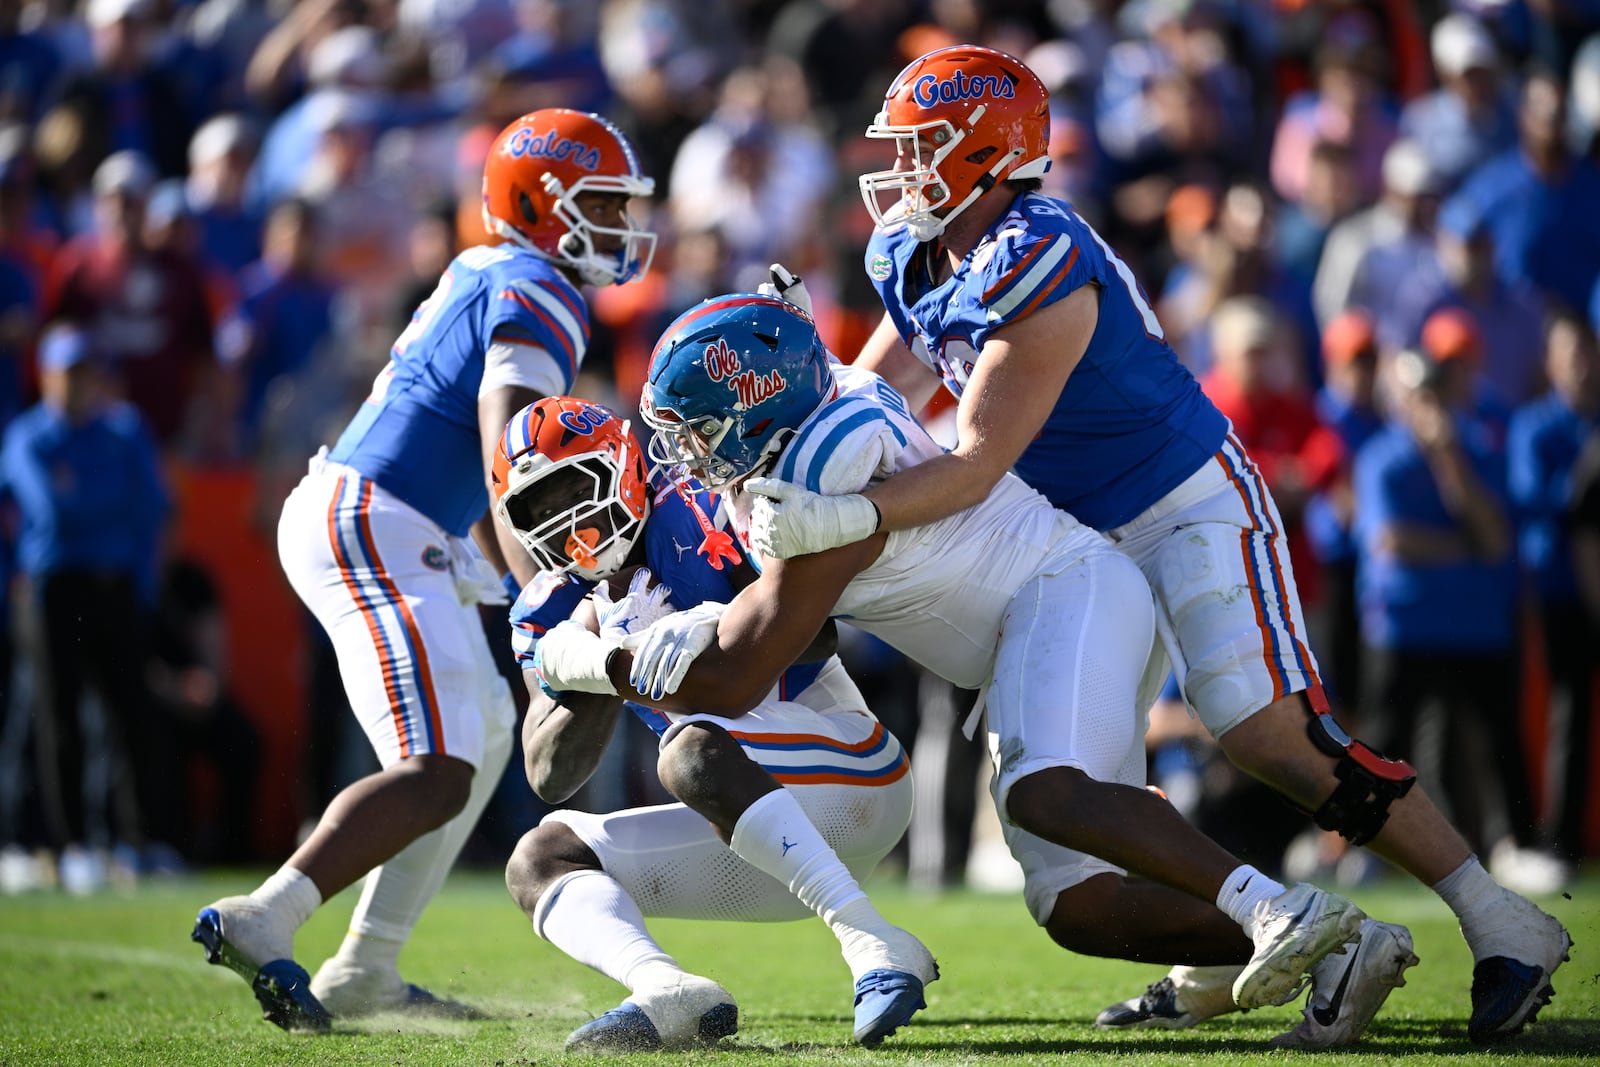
x: 570, y: 658
x: 788, y: 520
x: 663, y: 654
x: 641, y: 606
x: 788, y: 286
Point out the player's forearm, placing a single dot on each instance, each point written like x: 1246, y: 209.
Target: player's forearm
x: 562, y: 742
x: 932, y: 491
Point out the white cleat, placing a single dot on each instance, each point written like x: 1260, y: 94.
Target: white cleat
x: 1186, y: 996
x: 1349, y: 986
x: 1292, y: 931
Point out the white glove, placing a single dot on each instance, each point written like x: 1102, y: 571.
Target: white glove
x: 663, y: 653
x: 786, y: 285
x: 788, y: 520
x: 572, y: 659
x: 642, y: 606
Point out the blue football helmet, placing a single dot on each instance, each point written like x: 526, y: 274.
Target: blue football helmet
x: 729, y: 382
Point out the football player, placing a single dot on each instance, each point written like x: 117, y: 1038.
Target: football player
x: 1063, y: 375
x: 783, y: 808
x: 1009, y: 596
x: 375, y: 540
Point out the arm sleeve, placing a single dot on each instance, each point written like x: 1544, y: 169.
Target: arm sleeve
x: 528, y: 366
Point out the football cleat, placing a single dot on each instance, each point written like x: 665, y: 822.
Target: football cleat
x: 682, y: 1013
x: 1517, y: 947
x: 1183, y: 997
x: 1292, y: 931
x: 885, y: 1001
x: 281, y: 986
x: 1350, y: 985
x: 349, y: 991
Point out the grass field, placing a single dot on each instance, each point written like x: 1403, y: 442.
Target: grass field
x: 114, y: 980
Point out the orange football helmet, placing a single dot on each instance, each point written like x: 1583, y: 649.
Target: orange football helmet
x: 963, y: 119
x: 569, y: 480
x: 535, y: 170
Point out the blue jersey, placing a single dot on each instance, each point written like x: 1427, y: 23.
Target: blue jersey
x: 688, y: 548
x: 417, y: 435
x: 1130, y: 425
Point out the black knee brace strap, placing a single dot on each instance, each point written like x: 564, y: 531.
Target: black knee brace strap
x: 1368, y: 782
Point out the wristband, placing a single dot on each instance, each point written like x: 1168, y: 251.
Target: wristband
x: 877, y: 517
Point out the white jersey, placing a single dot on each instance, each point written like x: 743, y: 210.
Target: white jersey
x: 938, y: 593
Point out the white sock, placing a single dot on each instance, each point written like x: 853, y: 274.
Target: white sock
x: 290, y: 894
x: 774, y: 835
x: 1240, y: 893
x: 590, y: 917
x: 396, y: 893
x: 1475, y: 897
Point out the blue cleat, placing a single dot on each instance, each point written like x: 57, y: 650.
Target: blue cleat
x: 885, y: 1001
x: 1506, y: 996
x: 683, y: 1013
x: 281, y: 986
x: 420, y: 1001
x: 1517, y: 957
x: 625, y: 1028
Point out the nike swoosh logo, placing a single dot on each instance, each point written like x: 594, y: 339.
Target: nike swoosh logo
x: 1330, y: 1015
x: 1244, y: 884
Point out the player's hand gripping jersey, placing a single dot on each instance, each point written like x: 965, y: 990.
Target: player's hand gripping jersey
x: 500, y: 316
x: 1131, y: 424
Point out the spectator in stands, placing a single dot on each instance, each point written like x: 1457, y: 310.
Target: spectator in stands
x: 189, y: 686
x: 1451, y: 338
x: 1547, y: 436
x: 83, y: 473
x: 30, y: 67
x: 1438, y: 607
x: 1346, y: 105
x: 1583, y: 517
x: 1256, y: 382
x: 1330, y: 196
x: 1470, y: 118
x: 283, y: 318
x: 220, y: 157
x: 1508, y: 317
x: 1540, y: 203
x: 754, y: 174
x: 1347, y: 404
x: 125, y: 101
x: 1235, y: 258
x: 147, y: 310
x: 1373, y: 256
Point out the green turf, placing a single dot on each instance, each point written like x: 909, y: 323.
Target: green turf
x: 114, y: 980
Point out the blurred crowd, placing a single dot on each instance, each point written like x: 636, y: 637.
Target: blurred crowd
x: 1372, y: 230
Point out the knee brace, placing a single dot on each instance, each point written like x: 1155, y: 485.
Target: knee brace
x: 1368, y: 781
